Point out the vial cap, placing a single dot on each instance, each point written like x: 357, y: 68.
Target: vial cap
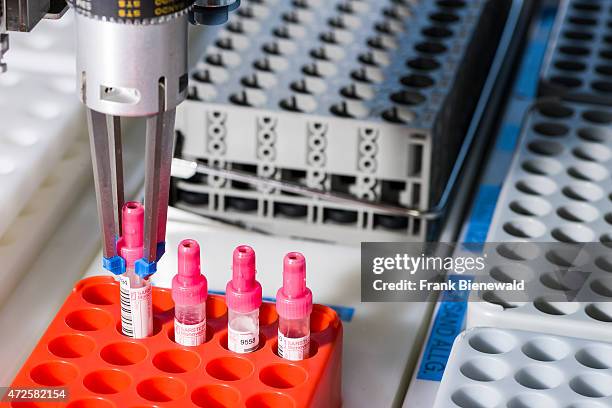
x: 189, y: 286
x: 130, y: 245
x: 294, y: 299
x: 243, y: 292
x: 188, y: 259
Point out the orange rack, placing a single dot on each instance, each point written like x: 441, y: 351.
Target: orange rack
x: 83, y: 350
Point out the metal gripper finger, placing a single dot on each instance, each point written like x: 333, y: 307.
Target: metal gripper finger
x: 105, y: 142
x: 158, y: 158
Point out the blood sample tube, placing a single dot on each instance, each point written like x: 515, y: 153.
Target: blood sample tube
x: 243, y: 298
x: 136, y: 301
x: 189, y: 292
x: 294, y: 305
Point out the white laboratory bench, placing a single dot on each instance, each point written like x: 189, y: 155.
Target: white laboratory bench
x: 380, y: 341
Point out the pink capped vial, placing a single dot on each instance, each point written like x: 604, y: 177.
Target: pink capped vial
x: 189, y: 292
x: 136, y: 301
x: 243, y: 298
x: 294, y: 305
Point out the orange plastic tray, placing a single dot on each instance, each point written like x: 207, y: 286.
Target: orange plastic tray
x: 83, y: 349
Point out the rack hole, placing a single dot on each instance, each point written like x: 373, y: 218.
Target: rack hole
x: 578, y: 212
x: 81, y: 403
x: 539, y: 377
x: 103, y: 294
x: 546, y: 349
x: 556, y: 308
x: 545, y: 148
x: 600, y: 311
x: 484, y: 369
x: 594, y: 385
x: 543, y: 166
x: 54, y: 373
x: 491, y: 341
x: 583, y: 191
x: 88, y: 319
x: 572, y: 66
x: 566, y: 81
x: 551, y: 129
x: 598, y: 357
x: 283, y: 376
x: 215, y: 396
x: 71, y: 346
x: 229, y: 368
x: 597, y: 117
x: 123, y: 353
x: 537, y: 185
x: 176, y: 361
x: 161, y: 389
x: 269, y: 400
x: 475, y: 396
x: 525, y: 228
x: 107, y: 381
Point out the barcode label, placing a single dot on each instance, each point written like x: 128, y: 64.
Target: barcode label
x: 136, y: 309
x: 293, y: 349
x: 189, y: 334
x: 242, y: 341
x: 126, y: 312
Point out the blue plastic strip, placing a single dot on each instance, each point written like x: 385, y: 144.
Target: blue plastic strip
x: 529, y: 74
x: 447, y: 325
x: 450, y: 316
x: 482, y: 214
x: 344, y: 313
x: 509, y: 137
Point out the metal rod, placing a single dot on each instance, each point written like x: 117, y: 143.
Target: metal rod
x: 158, y: 157
x: 165, y: 168
x: 100, y: 142
x: 185, y: 167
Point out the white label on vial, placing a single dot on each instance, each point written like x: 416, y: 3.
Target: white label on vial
x: 189, y: 334
x: 136, y: 309
x: 242, y: 341
x: 293, y: 349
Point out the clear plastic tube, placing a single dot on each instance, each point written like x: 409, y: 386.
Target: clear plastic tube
x: 294, y: 338
x: 294, y: 305
x: 243, y: 298
x: 189, y: 292
x: 243, y: 331
x: 190, y: 314
x: 136, y: 305
x: 190, y: 324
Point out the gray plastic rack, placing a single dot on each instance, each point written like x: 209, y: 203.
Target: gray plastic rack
x: 578, y: 63
x: 362, y: 97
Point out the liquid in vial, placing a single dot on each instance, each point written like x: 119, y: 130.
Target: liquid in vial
x: 189, y: 292
x: 243, y: 298
x: 136, y: 292
x: 294, y: 306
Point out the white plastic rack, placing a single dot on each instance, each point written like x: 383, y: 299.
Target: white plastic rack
x: 491, y: 368
x: 559, y: 189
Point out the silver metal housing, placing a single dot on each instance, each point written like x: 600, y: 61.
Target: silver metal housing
x: 215, y: 3
x: 120, y: 65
